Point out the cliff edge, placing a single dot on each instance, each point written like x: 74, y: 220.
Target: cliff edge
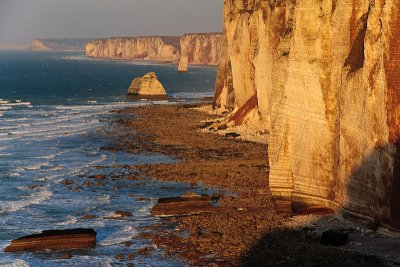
x: 152, y: 48
x: 323, y: 78
x: 200, y: 49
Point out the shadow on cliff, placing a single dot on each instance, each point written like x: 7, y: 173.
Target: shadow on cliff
x: 373, y: 190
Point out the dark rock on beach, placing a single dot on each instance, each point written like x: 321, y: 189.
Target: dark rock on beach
x: 55, y: 240
x: 184, y: 205
x: 334, y: 238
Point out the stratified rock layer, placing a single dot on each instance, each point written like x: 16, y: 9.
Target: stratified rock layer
x: 55, y: 240
x: 151, y: 48
x: 323, y: 78
x: 148, y: 85
x: 200, y: 49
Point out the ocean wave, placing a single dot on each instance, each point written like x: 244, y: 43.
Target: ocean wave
x: 10, y: 104
x: 70, y: 220
x: 33, y: 199
x: 127, y: 233
x: 13, y: 263
x: 36, y: 166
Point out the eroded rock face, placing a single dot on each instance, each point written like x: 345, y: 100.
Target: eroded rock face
x: 152, y: 48
x: 148, y: 85
x: 323, y: 78
x: 200, y: 49
x: 55, y: 240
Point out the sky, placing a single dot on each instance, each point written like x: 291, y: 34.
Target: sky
x: 24, y: 20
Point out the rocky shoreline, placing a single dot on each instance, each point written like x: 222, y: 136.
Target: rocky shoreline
x: 245, y: 229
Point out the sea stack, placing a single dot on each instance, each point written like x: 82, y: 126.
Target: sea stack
x: 183, y: 64
x: 148, y: 85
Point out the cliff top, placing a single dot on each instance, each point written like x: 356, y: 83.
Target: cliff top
x: 170, y: 40
x: 202, y: 33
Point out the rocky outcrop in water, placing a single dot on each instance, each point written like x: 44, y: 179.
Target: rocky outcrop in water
x: 323, y: 78
x: 151, y: 48
x: 73, y: 45
x: 148, y: 85
x: 55, y: 240
x: 200, y: 49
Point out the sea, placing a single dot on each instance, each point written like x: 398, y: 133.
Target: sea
x: 54, y: 110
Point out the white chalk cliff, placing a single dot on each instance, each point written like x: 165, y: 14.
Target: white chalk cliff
x: 151, y: 48
x: 323, y: 77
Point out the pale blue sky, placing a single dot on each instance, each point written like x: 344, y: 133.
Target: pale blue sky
x: 24, y: 20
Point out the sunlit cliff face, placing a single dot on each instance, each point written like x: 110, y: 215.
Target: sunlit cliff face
x: 323, y: 78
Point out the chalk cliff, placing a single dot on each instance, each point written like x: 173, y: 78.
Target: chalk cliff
x: 152, y: 48
x: 200, y: 49
x: 76, y: 45
x: 323, y: 77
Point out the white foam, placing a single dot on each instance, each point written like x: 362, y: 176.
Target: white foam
x: 18, y: 104
x: 126, y: 234
x: 69, y: 221
x: 33, y: 199
x: 104, y: 199
x: 14, y: 263
x: 37, y: 166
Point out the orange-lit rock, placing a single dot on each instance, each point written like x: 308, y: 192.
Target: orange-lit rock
x: 323, y: 77
x: 200, y: 49
x: 150, y: 48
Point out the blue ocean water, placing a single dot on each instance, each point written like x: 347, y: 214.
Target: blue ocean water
x: 53, y: 110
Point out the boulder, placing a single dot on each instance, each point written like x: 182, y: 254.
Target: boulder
x: 148, y: 85
x: 183, y: 205
x: 55, y: 240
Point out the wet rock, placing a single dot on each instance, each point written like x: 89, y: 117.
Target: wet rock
x: 65, y: 256
x: 119, y: 257
x: 145, y: 251
x: 232, y: 135
x: 184, y: 205
x: 88, y: 184
x: 67, y: 182
x: 128, y: 243
x: 121, y: 213
x: 100, y: 177
x: 34, y: 187
x: 334, y: 238
x: 55, y: 240
x: 88, y: 217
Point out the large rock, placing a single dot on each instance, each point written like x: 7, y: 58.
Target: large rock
x: 55, y: 240
x: 148, y: 85
x: 149, y: 48
x: 323, y: 78
x: 184, y: 205
x: 200, y: 49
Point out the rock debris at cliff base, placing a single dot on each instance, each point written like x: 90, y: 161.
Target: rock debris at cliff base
x: 247, y: 231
